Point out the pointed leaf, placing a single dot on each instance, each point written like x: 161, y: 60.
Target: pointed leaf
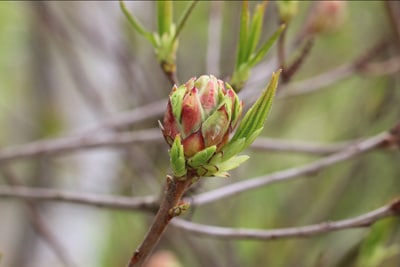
x: 243, y: 33
x: 256, y: 116
x: 164, y: 16
x: 265, y: 47
x: 251, y: 139
x: 132, y: 20
x: 183, y: 19
x: 177, y: 158
x: 232, y: 163
x: 255, y: 29
x: 202, y: 157
x: 228, y: 151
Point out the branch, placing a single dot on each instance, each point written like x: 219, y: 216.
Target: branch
x: 147, y: 203
x: 364, y: 220
x: 317, y: 82
x: 68, y: 144
x: 170, y: 207
x: 389, y: 66
x: 127, y: 118
x: 307, y: 169
x: 282, y: 145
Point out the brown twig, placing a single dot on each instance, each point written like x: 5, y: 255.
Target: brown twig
x: 364, y: 220
x: 170, y: 207
x: 67, y: 144
x: 290, y: 70
x: 389, y: 66
x: 281, y: 50
x: 146, y: 203
x: 170, y: 72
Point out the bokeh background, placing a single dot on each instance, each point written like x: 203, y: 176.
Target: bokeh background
x: 66, y: 66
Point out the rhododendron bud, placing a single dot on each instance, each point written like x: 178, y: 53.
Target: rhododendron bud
x: 326, y: 16
x: 201, y: 114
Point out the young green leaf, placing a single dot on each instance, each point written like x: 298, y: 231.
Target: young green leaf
x: 265, y: 47
x: 230, y: 164
x: 255, y: 30
x: 177, y: 158
x: 243, y: 33
x: 183, y: 19
x: 257, y: 114
x: 147, y: 34
x: 202, y: 157
x: 164, y: 16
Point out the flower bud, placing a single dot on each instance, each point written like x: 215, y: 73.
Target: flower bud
x: 326, y: 16
x: 287, y: 9
x: 203, y: 112
x: 199, y: 118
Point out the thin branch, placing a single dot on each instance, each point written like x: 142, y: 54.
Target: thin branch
x: 184, y: 18
x: 68, y: 144
x: 390, y: 66
x: 281, y: 50
x: 127, y: 118
x: 281, y: 145
x: 146, y: 203
x: 317, y: 82
x: 291, y: 69
x: 38, y: 222
x: 170, y: 207
x: 288, y: 174
x: 364, y: 220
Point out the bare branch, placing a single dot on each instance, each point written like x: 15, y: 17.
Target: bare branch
x: 67, y: 144
x: 390, y: 66
x: 124, y: 119
x: 147, y: 203
x: 364, y: 220
x: 281, y: 145
x: 317, y: 82
x: 307, y: 169
x: 170, y: 207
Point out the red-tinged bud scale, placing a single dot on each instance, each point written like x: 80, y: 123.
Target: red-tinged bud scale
x: 203, y: 112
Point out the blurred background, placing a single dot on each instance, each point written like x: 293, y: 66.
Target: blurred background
x: 66, y: 66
